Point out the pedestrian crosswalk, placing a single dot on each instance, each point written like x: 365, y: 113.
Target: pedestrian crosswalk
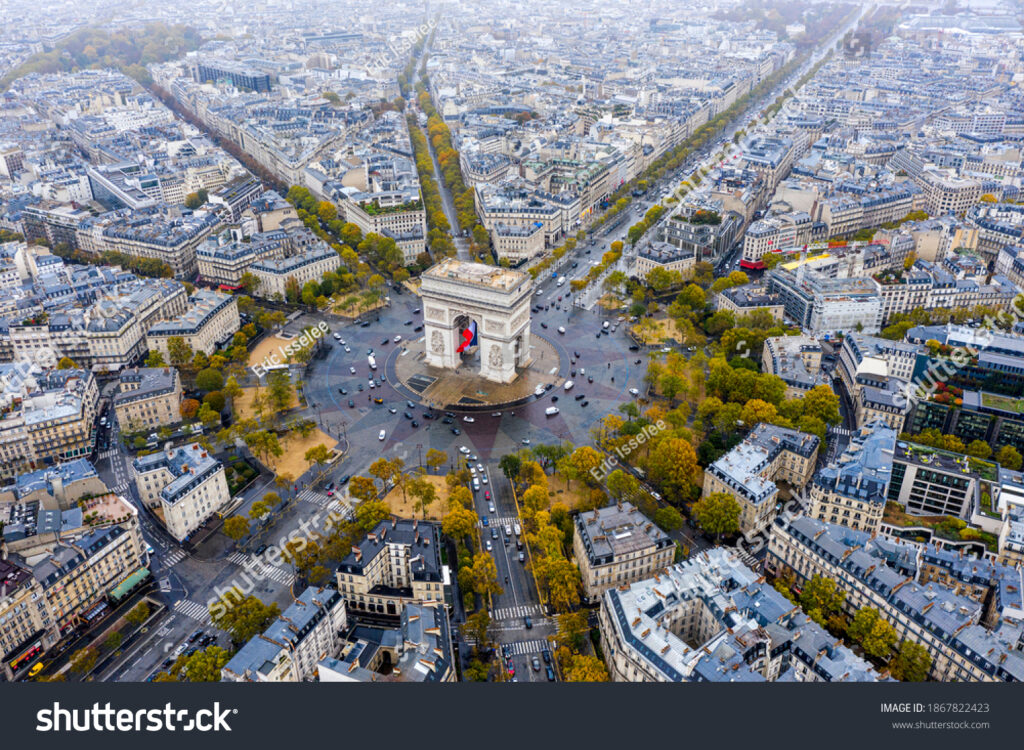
x: 528, y: 647
x: 192, y: 609
x: 524, y: 610
x: 316, y: 498
x: 840, y: 431
x: 108, y: 453
x: 262, y: 569
x: 501, y: 522
x: 173, y: 557
x: 121, y: 489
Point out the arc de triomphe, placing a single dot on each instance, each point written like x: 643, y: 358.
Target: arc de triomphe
x: 454, y: 293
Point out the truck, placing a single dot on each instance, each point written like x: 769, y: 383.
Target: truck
x: 561, y: 281
x: 371, y: 362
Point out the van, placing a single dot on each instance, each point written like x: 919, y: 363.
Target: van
x: 568, y: 385
x: 551, y: 411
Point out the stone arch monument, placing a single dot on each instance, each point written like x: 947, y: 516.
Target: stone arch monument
x: 497, y: 299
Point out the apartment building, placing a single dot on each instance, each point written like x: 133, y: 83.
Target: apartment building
x: 743, y: 300
x: 821, y: 305
x: 517, y: 242
x: 148, y: 397
x: 397, y: 563
x: 418, y: 650
x: 227, y: 256
x: 208, y: 324
x: 666, y: 257
x: 887, y: 575
x: 162, y: 233
x: 749, y: 472
x: 57, y: 487
x: 795, y: 359
x: 27, y: 628
x: 618, y: 545
x: 309, y: 630
x: 275, y: 274
x: 46, y: 416
x: 853, y: 489
x: 185, y: 486
x: 712, y: 619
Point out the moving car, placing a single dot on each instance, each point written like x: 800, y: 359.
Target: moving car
x: 381, y: 435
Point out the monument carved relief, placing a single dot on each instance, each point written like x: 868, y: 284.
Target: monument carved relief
x: 437, y: 342
x: 495, y: 358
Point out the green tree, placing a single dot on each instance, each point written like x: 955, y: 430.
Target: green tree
x: 822, y: 598
x: 246, y: 619
x: 206, y: 665
x: 912, y: 663
x: 258, y: 510
x: 370, y: 513
x: 318, y: 455
x: 874, y: 634
x: 113, y: 641
x: 979, y: 449
x: 478, y: 628
x: 138, y: 614
x: 83, y: 660
x: 668, y: 518
x: 1009, y: 457
x: 718, y: 513
x: 236, y: 527
x: 209, y: 380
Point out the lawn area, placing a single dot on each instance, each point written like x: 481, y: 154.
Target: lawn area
x: 560, y: 491
x: 657, y: 330
x: 995, y: 401
x: 353, y: 311
x: 244, y: 403
x: 269, y: 345
x: 292, y: 461
x: 240, y: 475
x: 407, y: 508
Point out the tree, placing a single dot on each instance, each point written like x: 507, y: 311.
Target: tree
x: 83, y: 660
x: 208, y: 416
x: 246, y: 619
x: 258, y: 510
x: 561, y: 577
x: 535, y: 498
x: 874, y: 634
x: 435, y: 459
x: 236, y: 527
x: 206, y: 665
x: 424, y: 491
x: 668, y: 518
x: 362, y: 488
x: 66, y: 363
x: 821, y: 598
x: 484, y: 575
x: 672, y: 463
x: 979, y: 449
x: 585, y: 668
x: 179, y: 352
x: 718, y: 513
x: 209, y: 380
x: 113, y: 641
x: 216, y: 400
x: 279, y: 389
x: 189, y: 408
x: 510, y: 464
x: 370, y: 513
x: 155, y: 359
x: 1009, y: 457
x: 477, y: 627
x: 572, y: 630
x: 319, y: 455
x: 912, y: 663
x: 459, y: 522
x: 138, y: 614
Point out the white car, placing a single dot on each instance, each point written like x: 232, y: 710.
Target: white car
x: 484, y: 479
x: 396, y: 339
x: 490, y: 508
x: 372, y: 386
x: 337, y: 337
x: 468, y: 419
x: 634, y: 392
x: 352, y: 370
x: 480, y: 467
x: 342, y: 342
x: 489, y: 547
x: 348, y: 350
x: 381, y: 435
x: 463, y: 450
